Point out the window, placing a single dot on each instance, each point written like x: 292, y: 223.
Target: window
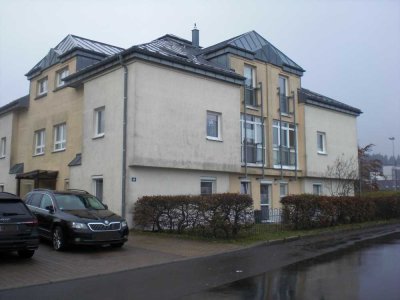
x: 321, y: 142
x: 245, y: 187
x: 283, y: 189
x: 283, y: 95
x: 3, y: 145
x: 1, y: 188
x: 39, y: 142
x: 284, y: 141
x: 60, y: 137
x: 98, y: 187
x: 99, y: 121
x: 249, y: 86
x: 207, y: 186
x: 60, y: 76
x: 46, y: 202
x: 42, y: 87
x: 213, y: 125
x: 253, y: 137
x: 317, y: 189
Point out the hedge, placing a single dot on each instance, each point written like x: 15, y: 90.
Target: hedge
x: 207, y: 215
x: 310, y: 211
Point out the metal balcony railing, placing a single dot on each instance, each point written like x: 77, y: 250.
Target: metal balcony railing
x: 250, y: 96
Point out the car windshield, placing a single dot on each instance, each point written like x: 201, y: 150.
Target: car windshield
x: 78, y: 202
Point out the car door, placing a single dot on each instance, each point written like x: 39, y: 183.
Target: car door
x: 46, y: 215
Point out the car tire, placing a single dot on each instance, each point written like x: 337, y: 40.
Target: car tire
x: 58, y: 239
x: 26, y: 253
x: 118, y: 245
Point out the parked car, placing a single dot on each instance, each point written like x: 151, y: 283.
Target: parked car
x: 76, y: 217
x: 18, y: 226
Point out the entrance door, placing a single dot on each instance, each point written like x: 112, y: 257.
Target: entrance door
x: 265, y: 193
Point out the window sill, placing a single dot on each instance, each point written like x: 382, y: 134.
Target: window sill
x: 256, y: 165
x: 322, y: 153
x: 251, y: 107
x: 61, y: 87
x: 40, y: 96
x: 100, y: 136
x: 285, y: 167
x: 210, y: 138
x: 59, y: 150
x: 285, y: 115
x: 38, y: 154
x: 2, y: 157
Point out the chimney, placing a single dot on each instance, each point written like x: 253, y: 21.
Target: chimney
x: 195, y: 36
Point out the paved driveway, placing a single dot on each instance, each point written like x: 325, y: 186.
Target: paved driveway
x: 48, y: 265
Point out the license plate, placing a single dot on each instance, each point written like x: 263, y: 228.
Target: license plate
x: 8, y: 228
x: 105, y: 236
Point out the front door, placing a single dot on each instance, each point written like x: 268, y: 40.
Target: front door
x: 265, y: 193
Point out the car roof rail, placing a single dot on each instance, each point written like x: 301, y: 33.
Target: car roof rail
x: 41, y: 189
x: 78, y: 190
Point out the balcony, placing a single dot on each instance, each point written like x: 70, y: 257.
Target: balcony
x: 288, y: 157
x: 284, y: 104
x: 254, y: 154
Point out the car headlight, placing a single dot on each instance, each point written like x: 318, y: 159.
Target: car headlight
x: 124, y: 224
x: 77, y: 225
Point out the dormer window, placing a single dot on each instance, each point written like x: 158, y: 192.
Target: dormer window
x: 42, y: 87
x: 60, y: 77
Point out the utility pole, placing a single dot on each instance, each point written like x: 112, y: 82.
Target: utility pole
x: 394, y: 169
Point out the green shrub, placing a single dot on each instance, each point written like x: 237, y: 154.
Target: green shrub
x: 217, y: 214
x: 311, y: 211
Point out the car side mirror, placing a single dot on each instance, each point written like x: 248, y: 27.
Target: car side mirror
x: 106, y: 206
x: 50, y: 208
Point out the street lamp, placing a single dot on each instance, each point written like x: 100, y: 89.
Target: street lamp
x: 394, y: 173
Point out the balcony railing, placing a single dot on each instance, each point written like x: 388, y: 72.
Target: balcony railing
x: 250, y: 96
x: 284, y: 104
x: 253, y: 154
x: 288, y: 156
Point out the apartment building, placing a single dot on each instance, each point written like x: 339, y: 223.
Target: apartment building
x: 171, y: 117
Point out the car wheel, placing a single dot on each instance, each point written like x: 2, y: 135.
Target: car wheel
x: 26, y: 253
x: 118, y: 245
x: 59, y: 242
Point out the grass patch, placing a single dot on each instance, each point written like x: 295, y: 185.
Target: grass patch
x: 267, y: 232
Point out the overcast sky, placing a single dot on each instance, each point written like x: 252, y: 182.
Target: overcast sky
x: 349, y: 49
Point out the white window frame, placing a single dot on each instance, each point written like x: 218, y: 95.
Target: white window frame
x: 60, y: 144
x: 284, y: 93
x: 268, y: 204
x: 319, y: 185
x: 3, y: 147
x: 213, y: 182
x: 323, y: 136
x: 61, y: 74
x: 286, y: 187
x: 219, y: 126
x: 288, y: 127
x: 245, y: 190
x: 98, y: 113
x: 252, y: 86
x: 40, y: 148
x: 42, y: 86
x: 256, y: 122
x: 95, y: 180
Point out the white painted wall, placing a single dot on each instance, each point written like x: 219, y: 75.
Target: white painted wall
x: 169, y: 111
x: 6, y: 179
x: 160, y: 181
x: 341, y: 138
x: 102, y: 156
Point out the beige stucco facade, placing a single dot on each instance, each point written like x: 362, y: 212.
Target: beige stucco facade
x: 268, y: 76
x: 57, y: 106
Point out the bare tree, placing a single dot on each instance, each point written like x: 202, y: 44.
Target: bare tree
x: 341, y: 176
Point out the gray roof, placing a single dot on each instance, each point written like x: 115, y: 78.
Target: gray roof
x: 77, y: 161
x: 20, y: 103
x: 260, y: 48
x: 178, y: 48
x: 309, y: 97
x: 168, y: 50
x: 69, y: 44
